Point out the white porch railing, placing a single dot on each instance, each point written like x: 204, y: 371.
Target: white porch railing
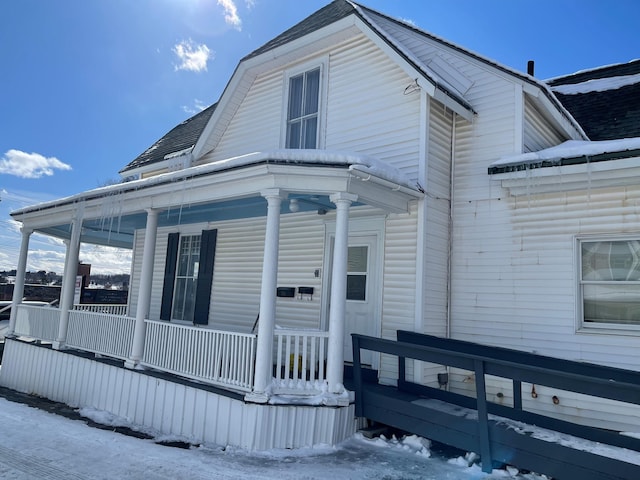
x: 212, y: 356
x: 112, y: 309
x: 103, y: 333
x: 300, y: 359
x: 37, y: 322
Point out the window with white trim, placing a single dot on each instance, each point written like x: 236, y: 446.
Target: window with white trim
x: 303, y: 106
x: 610, y: 282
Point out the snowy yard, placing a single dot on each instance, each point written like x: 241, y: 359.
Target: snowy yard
x: 38, y: 444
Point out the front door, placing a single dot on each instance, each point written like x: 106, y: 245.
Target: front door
x: 364, y: 293
x: 361, y: 314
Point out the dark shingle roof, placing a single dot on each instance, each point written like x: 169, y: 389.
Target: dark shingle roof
x: 179, y: 138
x: 336, y: 10
x: 607, y: 114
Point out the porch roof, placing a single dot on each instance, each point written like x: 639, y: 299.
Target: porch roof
x: 223, y: 190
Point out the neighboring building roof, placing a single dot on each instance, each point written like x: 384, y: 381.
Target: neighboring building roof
x: 605, y: 101
x: 179, y: 139
x: 571, y: 152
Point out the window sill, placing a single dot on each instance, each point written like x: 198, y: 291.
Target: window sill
x: 609, y: 329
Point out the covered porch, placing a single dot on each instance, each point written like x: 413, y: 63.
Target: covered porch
x: 266, y: 363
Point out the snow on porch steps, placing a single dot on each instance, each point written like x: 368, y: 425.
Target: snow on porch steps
x: 178, y: 408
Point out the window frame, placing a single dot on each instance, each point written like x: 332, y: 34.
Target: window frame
x: 600, y: 327
x: 186, y: 277
x: 290, y: 73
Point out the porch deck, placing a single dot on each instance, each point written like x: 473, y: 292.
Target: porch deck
x: 502, y: 434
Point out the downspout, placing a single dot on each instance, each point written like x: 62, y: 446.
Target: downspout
x: 451, y: 212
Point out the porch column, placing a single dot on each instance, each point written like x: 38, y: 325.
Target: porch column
x: 69, y: 280
x: 335, y: 349
x: 267, y: 319
x: 144, y: 291
x: 18, y: 287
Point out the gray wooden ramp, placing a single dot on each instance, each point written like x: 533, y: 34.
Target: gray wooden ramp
x: 501, y: 434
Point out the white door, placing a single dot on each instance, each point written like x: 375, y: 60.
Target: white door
x: 363, y: 297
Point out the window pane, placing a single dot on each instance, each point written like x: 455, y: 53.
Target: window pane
x: 612, y: 303
x: 312, y: 90
x: 293, y: 134
x: 357, y: 259
x: 310, y: 132
x: 189, y: 299
x: 356, y: 287
x: 611, y: 261
x: 295, y: 97
x: 178, y: 300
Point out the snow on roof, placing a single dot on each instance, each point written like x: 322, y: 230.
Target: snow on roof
x: 570, y: 149
x: 362, y: 163
x: 597, y: 85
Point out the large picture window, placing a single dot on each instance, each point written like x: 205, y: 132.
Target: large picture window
x: 302, y: 110
x: 610, y: 282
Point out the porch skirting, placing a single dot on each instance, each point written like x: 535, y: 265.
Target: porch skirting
x: 170, y: 408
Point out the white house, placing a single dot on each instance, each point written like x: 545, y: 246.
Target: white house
x: 357, y: 175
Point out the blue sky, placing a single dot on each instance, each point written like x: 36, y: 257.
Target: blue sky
x: 87, y: 85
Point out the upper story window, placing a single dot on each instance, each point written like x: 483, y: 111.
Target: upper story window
x: 610, y: 283
x: 303, y: 110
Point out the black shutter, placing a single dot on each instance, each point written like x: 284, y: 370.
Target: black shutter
x: 169, y: 276
x: 205, y: 276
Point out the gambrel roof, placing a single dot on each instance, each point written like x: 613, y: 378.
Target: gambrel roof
x: 605, y: 101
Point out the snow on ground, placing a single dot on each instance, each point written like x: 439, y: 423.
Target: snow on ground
x: 37, y: 444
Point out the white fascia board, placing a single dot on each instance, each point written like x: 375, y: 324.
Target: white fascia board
x: 560, y: 115
x: 585, y: 176
x: 428, y: 84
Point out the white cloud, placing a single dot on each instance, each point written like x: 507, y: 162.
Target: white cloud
x: 193, y: 57
x: 197, y: 107
x: 250, y: 4
x: 231, y: 13
x: 30, y: 165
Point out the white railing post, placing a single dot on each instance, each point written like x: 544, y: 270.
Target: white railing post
x: 144, y: 292
x: 266, y: 323
x: 69, y: 279
x: 18, y: 287
x: 335, y: 353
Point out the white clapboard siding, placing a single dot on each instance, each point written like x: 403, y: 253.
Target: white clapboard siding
x: 398, y: 296
x: 301, y: 254
x: 378, y: 120
x: 257, y: 124
x: 237, y: 275
x: 515, y: 278
x: 368, y: 111
x: 538, y: 133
